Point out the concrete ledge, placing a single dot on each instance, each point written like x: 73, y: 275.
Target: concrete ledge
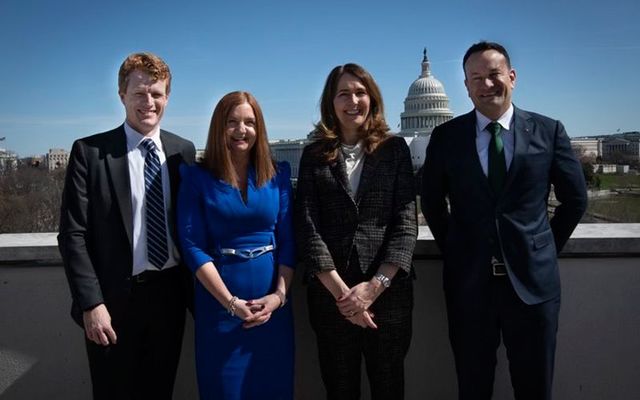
x: 592, y: 240
x: 16, y: 247
x: 588, y: 240
x: 42, y: 353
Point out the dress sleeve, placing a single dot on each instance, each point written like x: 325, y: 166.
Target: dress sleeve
x: 191, y: 227
x: 284, y: 226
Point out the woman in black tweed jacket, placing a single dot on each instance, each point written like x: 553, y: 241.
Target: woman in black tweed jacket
x: 356, y: 230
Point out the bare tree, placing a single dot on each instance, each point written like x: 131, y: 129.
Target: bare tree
x: 30, y: 199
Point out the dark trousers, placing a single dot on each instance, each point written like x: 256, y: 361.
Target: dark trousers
x: 149, y: 327
x: 476, y: 325
x: 341, y: 345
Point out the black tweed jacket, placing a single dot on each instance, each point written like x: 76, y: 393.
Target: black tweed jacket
x: 379, y: 222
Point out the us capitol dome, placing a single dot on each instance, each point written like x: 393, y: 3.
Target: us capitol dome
x: 426, y: 105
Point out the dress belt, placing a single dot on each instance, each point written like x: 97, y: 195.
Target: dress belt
x: 248, y: 253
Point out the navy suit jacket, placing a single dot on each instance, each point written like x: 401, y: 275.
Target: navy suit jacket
x: 96, y: 221
x: 514, y: 222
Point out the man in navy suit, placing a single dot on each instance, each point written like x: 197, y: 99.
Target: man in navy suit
x: 118, y: 243
x: 486, y: 182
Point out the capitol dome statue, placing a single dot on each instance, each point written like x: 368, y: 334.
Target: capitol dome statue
x: 426, y: 105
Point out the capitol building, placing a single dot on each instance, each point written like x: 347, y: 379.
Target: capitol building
x: 425, y: 107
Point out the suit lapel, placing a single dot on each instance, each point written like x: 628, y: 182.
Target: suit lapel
x: 368, y: 173
x: 172, y: 151
x: 118, y: 167
x: 339, y: 171
x: 522, y: 129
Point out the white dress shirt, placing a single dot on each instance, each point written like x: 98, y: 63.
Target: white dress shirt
x: 483, y: 137
x: 135, y: 156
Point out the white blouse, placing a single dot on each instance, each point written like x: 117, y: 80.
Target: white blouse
x: 353, y: 159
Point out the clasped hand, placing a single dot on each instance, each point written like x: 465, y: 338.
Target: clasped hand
x: 354, y: 304
x: 258, y: 311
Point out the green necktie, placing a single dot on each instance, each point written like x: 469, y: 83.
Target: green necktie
x: 497, y: 164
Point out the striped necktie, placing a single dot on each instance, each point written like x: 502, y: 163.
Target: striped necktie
x: 497, y: 164
x: 157, y: 251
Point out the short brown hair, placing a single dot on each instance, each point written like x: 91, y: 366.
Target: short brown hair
x: 216, y: 153
x: 375, y: 129
x: 148, y: 63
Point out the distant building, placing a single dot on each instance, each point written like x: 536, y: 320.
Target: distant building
x: 426, y: 105
x: 604, y: 168
x: 34, y: 161
x: 418, y: 148
x: 610, y: 169
x: 8, y: 160
x: 57, y: 158
x: 622, y: 148
x: 199, y: 155
x: 290, y: 151
x: 587, y: 147
x: 622, y: 169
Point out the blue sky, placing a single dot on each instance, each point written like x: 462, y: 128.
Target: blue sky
x: 576, y: 61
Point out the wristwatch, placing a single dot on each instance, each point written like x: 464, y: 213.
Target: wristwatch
x: 383, y: 279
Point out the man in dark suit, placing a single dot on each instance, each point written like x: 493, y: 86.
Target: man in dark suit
x: 486, y: 182
x: 117, y: 240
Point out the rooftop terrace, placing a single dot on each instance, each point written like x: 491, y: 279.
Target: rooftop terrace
x: 598, y: 356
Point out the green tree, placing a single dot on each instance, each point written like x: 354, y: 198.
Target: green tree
x: 590, y: 177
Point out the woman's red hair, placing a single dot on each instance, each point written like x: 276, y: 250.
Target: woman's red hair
x: 217, y: 158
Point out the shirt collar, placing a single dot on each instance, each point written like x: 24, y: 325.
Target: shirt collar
x: 504, y: 120
x: 352, y: 150
x: 134, y: 137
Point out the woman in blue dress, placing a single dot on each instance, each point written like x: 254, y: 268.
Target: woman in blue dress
x: 234, y: 224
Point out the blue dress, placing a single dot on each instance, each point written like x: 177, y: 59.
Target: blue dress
x: 233, y: 362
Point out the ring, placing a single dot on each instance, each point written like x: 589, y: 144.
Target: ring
x: 352, y: 313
